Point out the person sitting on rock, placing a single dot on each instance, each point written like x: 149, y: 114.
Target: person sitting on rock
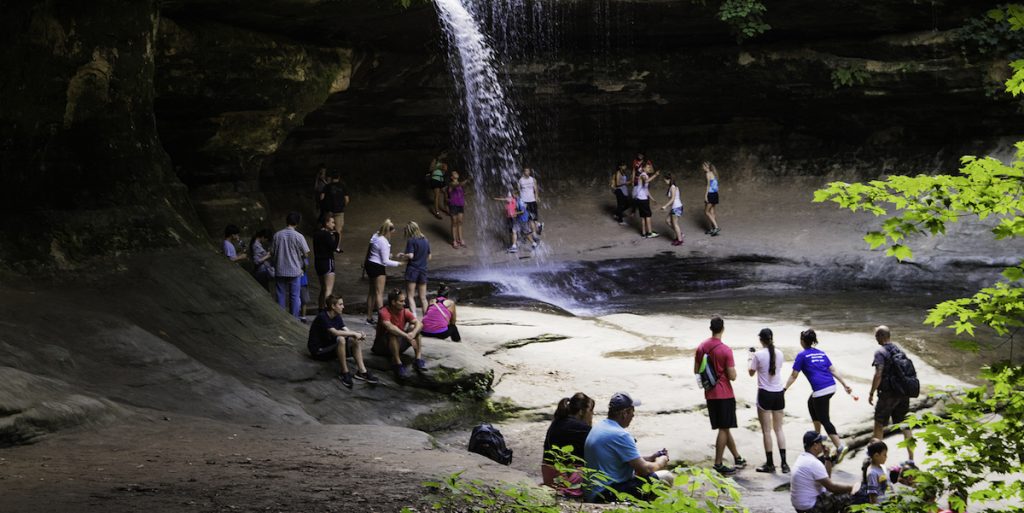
x: 398, y: 329
x: 611, y: 450
x: 439, y: 319
x: 811, y: 490
x: 230, y: 245
x: 328, y: 337
x: 569, y: 428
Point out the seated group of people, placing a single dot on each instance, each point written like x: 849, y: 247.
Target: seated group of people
x: 398, y: 329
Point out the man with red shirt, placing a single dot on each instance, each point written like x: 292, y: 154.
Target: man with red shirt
x: 720, y: 398
x: 398, y: 329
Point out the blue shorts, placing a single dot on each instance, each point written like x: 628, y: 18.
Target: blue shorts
x: 414, y: 275
x: 677, y: 212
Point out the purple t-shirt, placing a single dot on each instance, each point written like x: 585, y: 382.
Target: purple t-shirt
x: 814, y: 364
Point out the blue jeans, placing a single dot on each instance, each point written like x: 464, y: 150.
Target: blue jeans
x: 292, y: 287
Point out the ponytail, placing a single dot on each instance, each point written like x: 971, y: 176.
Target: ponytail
x: 573, y: 406
x: 562, y: 411
x: 768, y: 339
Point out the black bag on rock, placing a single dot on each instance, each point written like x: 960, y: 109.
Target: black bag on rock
x: 487, y: 441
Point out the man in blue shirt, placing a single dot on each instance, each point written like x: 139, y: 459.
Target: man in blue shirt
x: 611, y: 450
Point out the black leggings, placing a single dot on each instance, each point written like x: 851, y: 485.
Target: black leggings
x: 818, y: 407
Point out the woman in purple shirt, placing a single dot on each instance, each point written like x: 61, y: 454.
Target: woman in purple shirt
x: 822, y: 376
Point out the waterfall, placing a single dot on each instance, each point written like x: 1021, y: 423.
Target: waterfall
x: 489, y: 123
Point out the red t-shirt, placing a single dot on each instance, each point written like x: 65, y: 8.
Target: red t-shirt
x: 399, y: 319
x: 720, y: 356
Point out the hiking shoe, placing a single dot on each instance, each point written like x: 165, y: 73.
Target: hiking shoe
x: 533, y: 245
x: 724, y: 470
x: 740, y: 463
x: 371, y: 321
x: 513, y: 249
x: 368, y: 377
x: 421, y: 364
x: 766, y: 468
x: 346, y: 379
x: 841, y: 453
x: 708, y: 231
x: 653, y: 234
x: 540, y: 228
x: 400, y: 371
x: 785, y: 468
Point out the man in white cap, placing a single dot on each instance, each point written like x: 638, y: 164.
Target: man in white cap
x: 611, y: 450
x: 811, y: 489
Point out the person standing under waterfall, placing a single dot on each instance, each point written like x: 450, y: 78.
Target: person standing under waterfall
x: 529, y: 193
x: 676, y: 205
x: 766, y: 363
x: 643, y: 201
x: 435, y: 177
x: 711, y: 197
x: 822, y: 376
x: 457, y: 206
x: 620, y: 187
x: 517, y: 219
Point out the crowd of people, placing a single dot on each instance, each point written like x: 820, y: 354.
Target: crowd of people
x: 606, y: 446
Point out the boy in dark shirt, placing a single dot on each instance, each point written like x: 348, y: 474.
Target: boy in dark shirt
x: 329, y: 337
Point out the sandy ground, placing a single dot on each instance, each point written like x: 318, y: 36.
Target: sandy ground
x: 149, y: 462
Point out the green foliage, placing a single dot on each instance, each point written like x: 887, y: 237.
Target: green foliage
x: 746, y: 17
x: 849, y: 76
x: 455, y: 493
x: 694, y: 490
x: 992, y: 34
x: 975, y: 447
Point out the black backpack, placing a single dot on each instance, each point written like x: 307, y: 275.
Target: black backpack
x: 487, y: 440
x: 899, y: 375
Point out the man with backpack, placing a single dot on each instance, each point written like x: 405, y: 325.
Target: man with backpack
x: 896, y: 382
x: 716, y: 374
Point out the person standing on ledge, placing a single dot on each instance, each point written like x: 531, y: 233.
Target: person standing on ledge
x: 620, y: 187
x: 676, y: 204
x: 711, y: 197
x: 289, y: 250
x: 643, y: 201
x: 720, y: 399
x: 766, y: 363
x: 892, y: 405
x: 529, y: 193
x: 333, y: 201
x: 231, y: 239
x: 457, y: 206
x: 610, y: 449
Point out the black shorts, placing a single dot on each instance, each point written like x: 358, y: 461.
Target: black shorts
x: 381, y: 348
x: 891, y: 407
x: 456, y: 209
x: 331, y: 352
x: 643, y: 207
x: 434, y: 184
x: 712, y: 198
x: 531, y: 209
x: 324, y: 266
x: 722, y: 413
x: 374, y: 269
x: 771, y: 401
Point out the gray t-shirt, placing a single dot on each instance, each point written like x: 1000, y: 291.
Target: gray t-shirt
x: 289, y: 250
x: 877, y: 482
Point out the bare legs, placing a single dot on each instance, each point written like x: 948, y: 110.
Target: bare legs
x: 396, y: 355
x: 326, y: 288
x: 673, y: 222
x: 709, y: 212
x: 375, y: 296
x: 411, y: 290
x: 879, y: 434
x: 357, y: 355
x: 457, y: 230
x: 725, y: 440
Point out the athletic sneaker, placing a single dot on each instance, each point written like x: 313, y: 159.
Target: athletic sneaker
x: 400, y: 371
x: 346, y: 379
x: 540, y: 228
x: 513, y: 249
x: 724, y: 470
x: 715, y: 232
x: 841, y: 452
x: 371, y: 321
x: 653, y: 234
x: 785, y: 468
x: 421, y: 364
x: 767, y: 468
x: 368, y: 377
x: 708, y: 231
x: 533, y: 245
x: 740, y: 462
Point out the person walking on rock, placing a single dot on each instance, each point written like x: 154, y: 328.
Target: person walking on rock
x: 711, y: 197
x: 766, y: 364
x: 676, y: 205
x: 325, y: 242
x: 289, y: 250
x: 893, y: 404
x: 721, y: 400
x: 333, y: 201
x: 822, y: 376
